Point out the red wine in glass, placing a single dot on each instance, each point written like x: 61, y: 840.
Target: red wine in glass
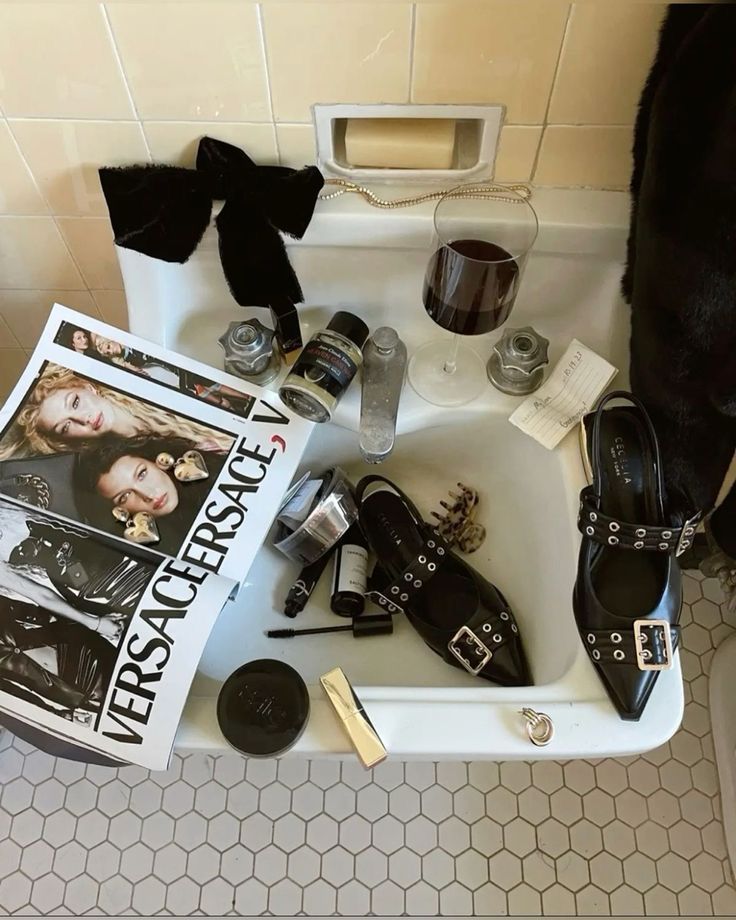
x: 470, y: 286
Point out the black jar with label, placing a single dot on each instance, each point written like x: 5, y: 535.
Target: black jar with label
x: 325, y: 368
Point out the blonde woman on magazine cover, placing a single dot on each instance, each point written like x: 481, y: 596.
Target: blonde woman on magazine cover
x: 65, y: 411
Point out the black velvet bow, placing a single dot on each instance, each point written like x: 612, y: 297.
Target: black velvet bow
x: 163, y: 211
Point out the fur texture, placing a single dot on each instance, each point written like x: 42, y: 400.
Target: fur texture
x: 681, y: 271
x: 163, y: 211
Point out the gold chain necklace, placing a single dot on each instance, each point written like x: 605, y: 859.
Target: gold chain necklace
x: 475, y: 190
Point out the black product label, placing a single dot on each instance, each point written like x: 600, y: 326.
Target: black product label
x: 334, y: 362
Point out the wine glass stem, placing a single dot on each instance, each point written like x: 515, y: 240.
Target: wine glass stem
x: 451, y: 362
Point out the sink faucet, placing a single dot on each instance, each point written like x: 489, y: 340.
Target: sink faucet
x: 384, y: 365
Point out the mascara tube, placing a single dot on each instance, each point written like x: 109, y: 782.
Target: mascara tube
x: 301, y: 590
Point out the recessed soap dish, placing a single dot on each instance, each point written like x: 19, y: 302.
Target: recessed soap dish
x: 473, y: 133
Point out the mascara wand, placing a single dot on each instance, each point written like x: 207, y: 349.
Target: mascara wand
x: 375, y: 624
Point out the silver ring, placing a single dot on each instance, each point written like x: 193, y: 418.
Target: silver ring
x: 539, y: 727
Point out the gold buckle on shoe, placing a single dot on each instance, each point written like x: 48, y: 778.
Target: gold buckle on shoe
x: 480, y: 650
x: 644, y: 654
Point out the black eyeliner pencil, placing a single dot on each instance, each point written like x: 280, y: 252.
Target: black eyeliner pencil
x: 301, y: 590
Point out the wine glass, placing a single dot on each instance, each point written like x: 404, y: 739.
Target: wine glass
x: 483, y: 235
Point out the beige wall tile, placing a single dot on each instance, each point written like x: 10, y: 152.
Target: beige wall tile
x: 33, y: 255
x: 18, y: 192
x: 494, y: 51
x: 26, y: 312
x: 597, y: 156
x: 64, y: 156
x: 12, y: 364
x: 7, y: 339
x: 609, y: 48
x: 517, y: 152
x: 57, y: 59
x: 177, y: 142
x: 90, y: 240
x: 336, y: 52
x: 113, y: 307
x: 297, y: 145
x: 193, y: 60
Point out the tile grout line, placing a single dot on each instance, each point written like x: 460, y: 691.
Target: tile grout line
x: 126, y: 83
x: 412, y: 43
x: 291, y: 122
x: 267, y: 70
x: 55, y: 218
x: 558, y: 64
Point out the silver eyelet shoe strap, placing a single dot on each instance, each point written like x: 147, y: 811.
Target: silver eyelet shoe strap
x: 394, y: 596
x: 648, y: 645
x: 608, y: 531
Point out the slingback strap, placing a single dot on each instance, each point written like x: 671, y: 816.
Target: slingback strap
x: 625, y: 396
x: 648, y: 644
x: 609, y: 531
x: 394, y: 595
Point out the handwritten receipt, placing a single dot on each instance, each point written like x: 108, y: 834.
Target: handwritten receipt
x: 571, y: 390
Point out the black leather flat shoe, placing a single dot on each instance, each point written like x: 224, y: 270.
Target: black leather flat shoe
x: 628, y: 592
x: 459, y: 614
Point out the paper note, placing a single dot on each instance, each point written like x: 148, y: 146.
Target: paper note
x: 571, y: 390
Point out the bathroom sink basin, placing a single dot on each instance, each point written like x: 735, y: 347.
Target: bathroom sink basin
x: 373, y: 263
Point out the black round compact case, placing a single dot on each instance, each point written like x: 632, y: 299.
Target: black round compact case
x: 263, y: 708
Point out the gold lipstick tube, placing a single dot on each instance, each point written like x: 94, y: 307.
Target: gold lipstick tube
x: 363, y: 736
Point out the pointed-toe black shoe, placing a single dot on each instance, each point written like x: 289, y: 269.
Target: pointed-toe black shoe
x: 628, y: 591
x: 458, y: 613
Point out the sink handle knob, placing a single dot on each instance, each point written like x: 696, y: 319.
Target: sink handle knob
x: 517, y: 362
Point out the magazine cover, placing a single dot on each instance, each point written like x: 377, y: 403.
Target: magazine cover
x: 99, y: 641
x: 122, y: 436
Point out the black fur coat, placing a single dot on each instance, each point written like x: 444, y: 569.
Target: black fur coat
x: 681, y: 271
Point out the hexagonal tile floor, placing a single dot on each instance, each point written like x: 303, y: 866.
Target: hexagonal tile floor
x: 219, y: 835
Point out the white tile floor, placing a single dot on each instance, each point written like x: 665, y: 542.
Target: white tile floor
x: 217, y: 835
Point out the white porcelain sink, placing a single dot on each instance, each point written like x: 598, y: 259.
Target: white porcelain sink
x: 358, y: 258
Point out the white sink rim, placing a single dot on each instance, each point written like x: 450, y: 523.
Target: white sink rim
x: 485, y: 725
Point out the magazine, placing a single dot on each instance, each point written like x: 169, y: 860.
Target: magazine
x: 136, y: 487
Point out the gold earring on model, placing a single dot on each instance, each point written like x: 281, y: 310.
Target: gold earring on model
x: 139, y: 527
x: 191, y: 467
